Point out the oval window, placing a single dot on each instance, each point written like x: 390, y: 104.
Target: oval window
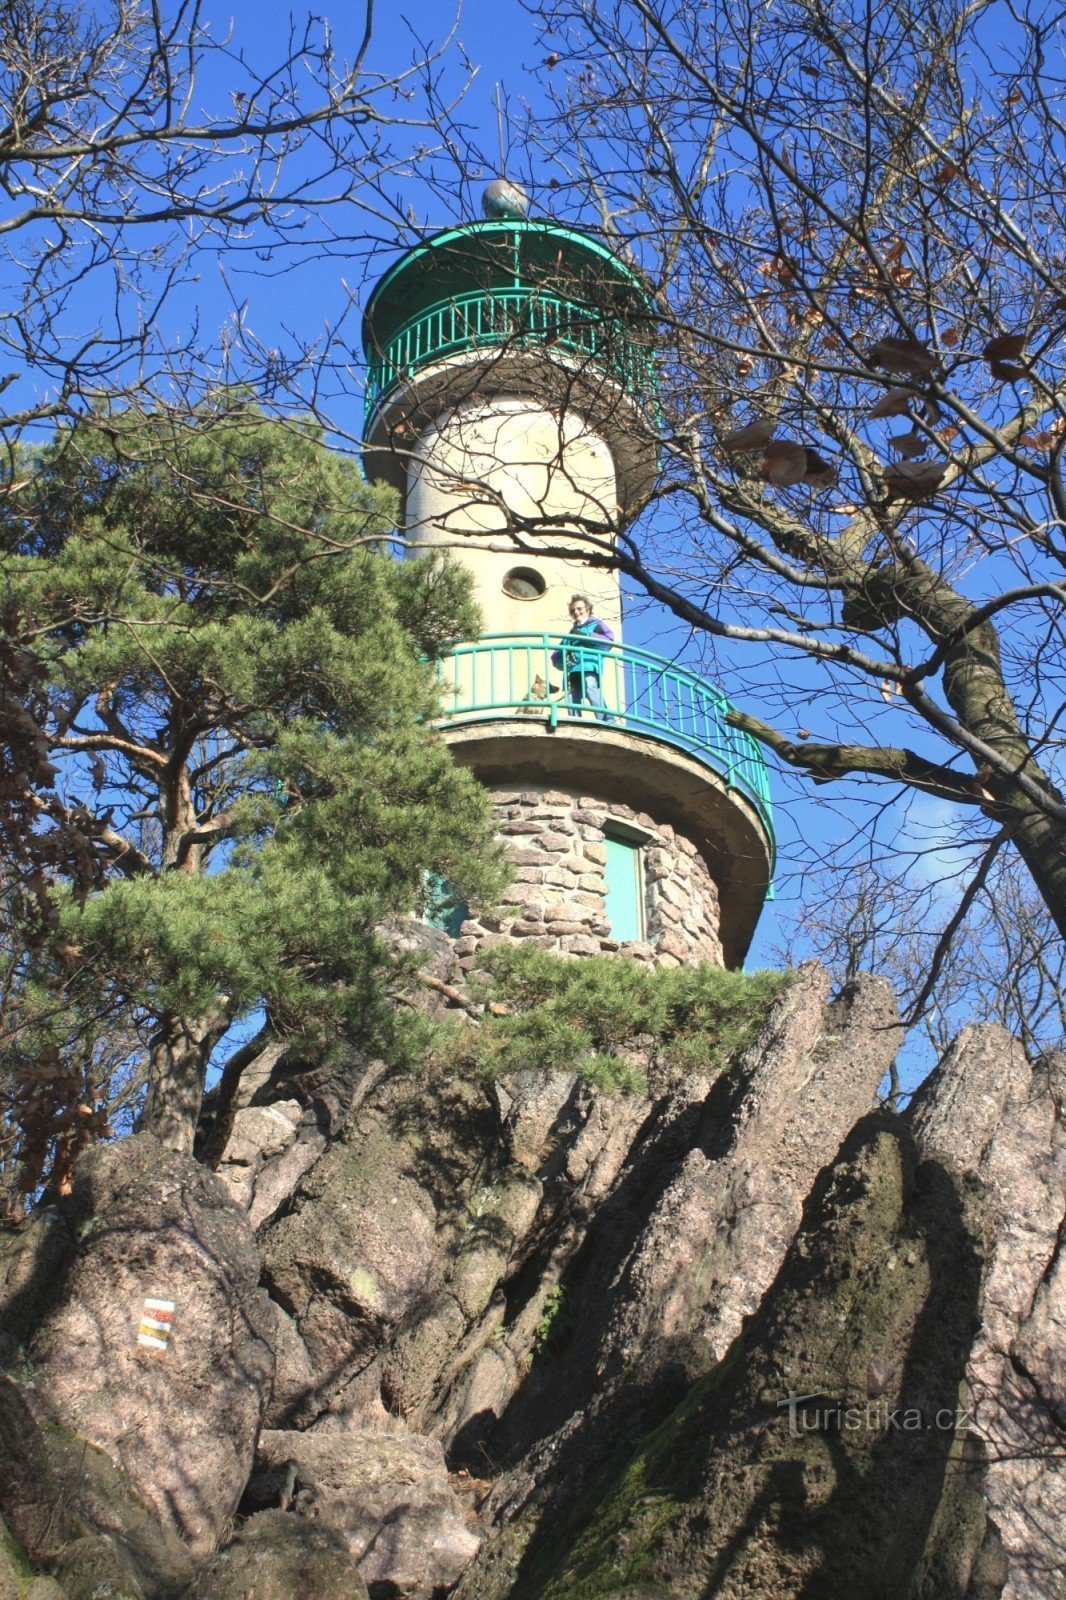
x: 524, y: 583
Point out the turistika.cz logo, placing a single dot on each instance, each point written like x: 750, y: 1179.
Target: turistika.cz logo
x: 819, y: 1413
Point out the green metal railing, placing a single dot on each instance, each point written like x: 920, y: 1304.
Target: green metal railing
x: 495, y: 317
x: 514, y: 675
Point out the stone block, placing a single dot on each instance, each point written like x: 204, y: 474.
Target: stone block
x: 522, y: 894
x: 553, y: 842
x: 658, y: 863
x: 672, y: 944
x: 583, y: 944
x: 638, y: 950
x: 556, y: 797
x: 525, y: 858
x: 597, y: 852
x: 593, y: 883
x: 569, y: 911
x: 563, y: 929
x: 590, y: 817
x: 520, y: 826
x: 674, y: 894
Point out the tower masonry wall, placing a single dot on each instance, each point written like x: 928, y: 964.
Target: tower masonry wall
x: 559, y: 899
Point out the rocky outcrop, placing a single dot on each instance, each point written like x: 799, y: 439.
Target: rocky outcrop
x: 720, y: 1229
x: 989, y: 1115
x: 708, y: 1342
x: 449, y: 1230
x: 178, y: 1416
x: 815, y: 1459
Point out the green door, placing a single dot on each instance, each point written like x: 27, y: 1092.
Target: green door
x: 625, y: 889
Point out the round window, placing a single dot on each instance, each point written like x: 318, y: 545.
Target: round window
x: 524, y: 583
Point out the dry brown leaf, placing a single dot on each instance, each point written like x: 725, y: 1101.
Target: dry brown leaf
x: 903, y: 355
x: 745, y: 365
x: 914, y: 480
x: 909, y: 444
x: 1004, y: 347
x: 949, y: 338
x: 784, y: 463
x: 1045, y: 440
x: 896, y: 403
x: 819, y: 474
x: 1007, y: 371
x: 752, y: 436
x: 946, y: 174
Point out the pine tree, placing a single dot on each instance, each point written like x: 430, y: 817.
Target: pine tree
x: 239, y: 714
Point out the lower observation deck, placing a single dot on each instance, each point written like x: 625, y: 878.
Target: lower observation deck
x: 660, y: 744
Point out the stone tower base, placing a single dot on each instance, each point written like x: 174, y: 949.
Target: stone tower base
x: 559, y: 897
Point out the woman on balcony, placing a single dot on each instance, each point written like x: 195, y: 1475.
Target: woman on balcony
x: 582, y: 661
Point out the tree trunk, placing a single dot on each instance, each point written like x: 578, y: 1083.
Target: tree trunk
x: 1041, y: 843
x: 180, y: 1052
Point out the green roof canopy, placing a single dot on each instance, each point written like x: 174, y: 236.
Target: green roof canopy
x: 498, y: 255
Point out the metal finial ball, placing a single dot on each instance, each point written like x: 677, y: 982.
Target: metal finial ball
x: 502, y: 198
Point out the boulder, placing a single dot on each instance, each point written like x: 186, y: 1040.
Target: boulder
x: 31, y: 1499
x: 987, y: 1115
x: 292, y: 1398
x: 371, y: 1230
x: 9, y: 1582
x: 34, y: 1256
x: 277, y: 1556
x: 259, y: 1134
x: 96, y: 1496
x: 94, y: 1567
x: 43, y: 1589
x: 56, y: 1489
x: 718, y: 1233
x: 388, y: 1497
x: 176, y: 1407
x: 816, y: 1459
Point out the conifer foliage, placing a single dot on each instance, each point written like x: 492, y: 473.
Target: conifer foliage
x: 237, y: 714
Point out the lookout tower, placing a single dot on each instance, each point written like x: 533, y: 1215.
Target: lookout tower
x: 511, y: 400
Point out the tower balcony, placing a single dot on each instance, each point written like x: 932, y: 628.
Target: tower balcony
x: 517, y: 319
x: 660, y: 744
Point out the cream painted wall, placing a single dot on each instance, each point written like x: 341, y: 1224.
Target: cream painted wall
x: 538, y: 463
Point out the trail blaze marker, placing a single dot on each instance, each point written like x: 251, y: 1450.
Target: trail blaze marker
x: 156, y: 1319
